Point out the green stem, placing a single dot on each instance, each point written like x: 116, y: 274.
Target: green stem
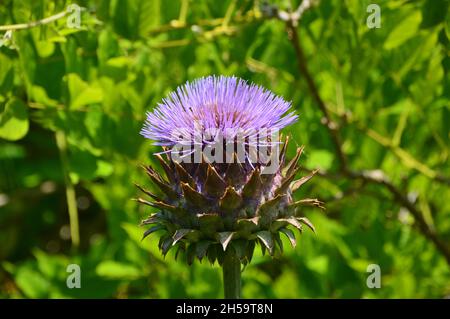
x: 183, y: 12
x: 231, y: 275
x: 33, y: 23
x: 70, y: 190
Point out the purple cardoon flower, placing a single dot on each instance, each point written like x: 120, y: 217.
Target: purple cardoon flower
x: 221, y: 209
x: 227, y: 104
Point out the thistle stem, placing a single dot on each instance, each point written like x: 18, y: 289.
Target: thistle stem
x: 70, y: 190
x: 231, y: 275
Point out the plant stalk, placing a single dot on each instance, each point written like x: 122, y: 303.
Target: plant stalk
x: 231, y: 275
x: 70, y: 190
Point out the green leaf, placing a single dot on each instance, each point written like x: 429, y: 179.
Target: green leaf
x: 86, y: 166
x: 447, y: 27
x: 147, y: 16
x: 40, y: 96
x: 31, y: 282
x: 117, y: 270
x: 134, y: 232
x: 6, y: 74
x: 405, y: 30
x: 322, y: 159
x: 434, y: 12
x: 14, y: 122
x: 82, y: 93
x: 45, y: 49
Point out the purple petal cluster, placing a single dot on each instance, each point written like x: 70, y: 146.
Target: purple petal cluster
x: 220, y: 103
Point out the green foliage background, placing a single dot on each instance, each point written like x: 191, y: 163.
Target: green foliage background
x: 388, y: 89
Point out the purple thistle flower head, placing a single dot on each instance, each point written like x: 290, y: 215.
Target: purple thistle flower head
x: 216, y: 106
x: 207, y: 204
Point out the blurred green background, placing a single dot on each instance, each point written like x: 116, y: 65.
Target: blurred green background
x: 72, y: 102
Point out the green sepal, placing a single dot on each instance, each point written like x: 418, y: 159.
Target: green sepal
x: 278, y: 241
x: 298, y: 183
x: 294, y: 222
x: 269, y: 210
x: 253, y: 187
x: 235, y: 174
x: 202, y: 248
x: 167, y: 169
x: 246, y: 226
x: 212, y: 253
x: 166, y: 245
x: 179, y: 234
x: 231, y: 200
x: 190, y: 253
x: 239, y: 246
x: 250, y: 250
x: 184, y: 176
x: 210, y: 223
x: 193, y: 197
x: 152, y: 230
x: 307, y: 222
x: 292, y: 165
x: 290, y: 235
x: 224, y: 238
x: 266, y: 240
x: 214, y: 184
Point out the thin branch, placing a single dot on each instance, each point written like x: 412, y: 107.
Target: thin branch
x: 380, y: 179
x: 302, y: 8
x: 33, y: 24
x: 405, y: 157
x: 303, y: 70
x: 183, y: 12
x: 295, y: 16
x: 376, y: 177
x: 228, y: 14
x: 248, y: 17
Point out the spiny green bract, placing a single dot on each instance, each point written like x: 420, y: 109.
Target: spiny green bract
x: 207, y: 208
